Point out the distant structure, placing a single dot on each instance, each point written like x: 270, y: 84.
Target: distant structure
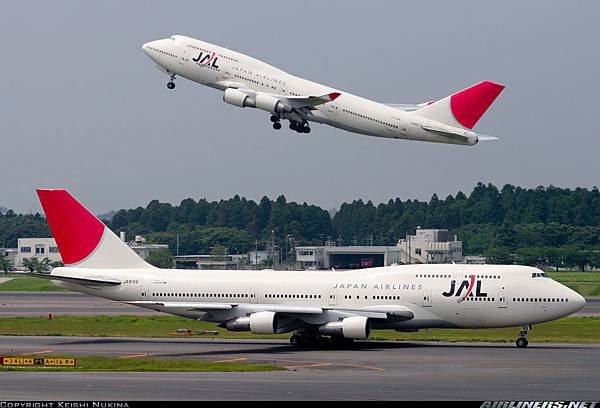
x: 11, y: 254
x: 206, y: 262
x: 37, y: 248
x: 430, y: 246
x: 426, y: 246
x: 140, y: 246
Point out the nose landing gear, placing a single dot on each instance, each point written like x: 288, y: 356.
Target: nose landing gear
x: 171, y: 84
x: 522, y: 341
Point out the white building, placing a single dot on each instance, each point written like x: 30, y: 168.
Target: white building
x: 427, y: 246
x: 430, y: 246
x: 140, y: 246
x: 11, y: 254
x: 37, y: 248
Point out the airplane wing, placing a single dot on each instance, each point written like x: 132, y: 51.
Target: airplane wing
x: 88, y: 281
x: 395, y: 312
x: 308, y: 101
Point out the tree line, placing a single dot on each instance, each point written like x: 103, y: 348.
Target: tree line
x: 489, y: 221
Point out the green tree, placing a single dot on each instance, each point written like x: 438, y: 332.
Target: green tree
x: 31, y: 263
x: 5, y: 264
x: 161, y: 258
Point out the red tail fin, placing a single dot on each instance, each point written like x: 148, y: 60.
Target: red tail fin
x: 464, y: 108
x: 469, y: 105
x: 76, y: 230
x: 84, y: 241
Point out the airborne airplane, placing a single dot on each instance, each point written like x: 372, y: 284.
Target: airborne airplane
x: 249, y: 83
x: 343, y: 305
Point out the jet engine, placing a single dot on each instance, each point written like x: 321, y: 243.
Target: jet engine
x: 258, y: 100
x: 356, y: 327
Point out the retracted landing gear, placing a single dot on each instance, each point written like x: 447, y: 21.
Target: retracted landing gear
x: 522, y: 341
x: 171, y: 83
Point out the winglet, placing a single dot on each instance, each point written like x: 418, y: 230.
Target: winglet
x: 334, y: 95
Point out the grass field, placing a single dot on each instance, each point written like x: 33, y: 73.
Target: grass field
x: 586, y: 283
x: 28, y: 284
x: 94, y: 363
x: 569, y: 329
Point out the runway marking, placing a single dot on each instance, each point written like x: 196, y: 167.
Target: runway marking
x: 231, y: 359
x: 138, y: 355
x: 309, y: 365
x: 37, y: 352
x: 363, y: 366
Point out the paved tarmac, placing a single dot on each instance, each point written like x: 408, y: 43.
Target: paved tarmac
x: 14, y: 304
x: 368, y: 371
x: 20, y: 304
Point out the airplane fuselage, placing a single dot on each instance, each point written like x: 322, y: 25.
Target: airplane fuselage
x: 221, y: 68
x: 452, y: 296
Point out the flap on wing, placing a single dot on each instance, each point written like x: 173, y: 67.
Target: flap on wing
x: 301, y: 101
x: 184, y: 305
x: 88, y: 280
x: 396, y: 312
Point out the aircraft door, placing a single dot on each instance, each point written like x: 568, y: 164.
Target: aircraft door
x: 502, y: 299
x: 333, y: 297
x: 144, y: 295
x: 182, y: 57
x: 426, y: 298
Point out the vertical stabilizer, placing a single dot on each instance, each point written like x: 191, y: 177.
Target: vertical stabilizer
x: 82, y: 239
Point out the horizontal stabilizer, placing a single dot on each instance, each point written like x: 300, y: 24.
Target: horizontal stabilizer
x: 88, y: 281
x: 485, y: 138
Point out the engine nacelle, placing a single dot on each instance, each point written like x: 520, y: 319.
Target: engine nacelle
x: 239, y: 324
x: 271, y: 104
x: 238, y: 98
x: 259, y: 100
x: 263, y: 323
x: 357, y: 327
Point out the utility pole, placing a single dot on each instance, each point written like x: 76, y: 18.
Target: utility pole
x: 177, y: 244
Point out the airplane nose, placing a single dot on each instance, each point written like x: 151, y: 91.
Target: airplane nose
x: 578, y: 301
x: 145, y: 48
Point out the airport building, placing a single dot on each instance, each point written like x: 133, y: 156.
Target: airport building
x: 37, y: 248
x: 140, y: 246
x: 426, y: 246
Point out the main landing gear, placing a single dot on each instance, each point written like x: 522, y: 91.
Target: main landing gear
x: 300, y: 127
x: 276, y: 123
x: 171, y: 84
x: 297, y: 126
x: 522, y: 341
x: 306, y: 338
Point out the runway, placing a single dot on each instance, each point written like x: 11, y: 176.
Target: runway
x: 368, y: 371
x: 20, y: 304
x: 13, y: 304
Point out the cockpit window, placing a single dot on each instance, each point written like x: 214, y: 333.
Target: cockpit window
x: 539, y: 275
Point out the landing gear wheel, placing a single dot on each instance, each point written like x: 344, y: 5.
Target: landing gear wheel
x: 276, y: 125
x: 306, y: 129
x: 171, y: 85
x: 296, y: 340
x: 522, y: 342
x: 293, y: 125
x: 274, y: 118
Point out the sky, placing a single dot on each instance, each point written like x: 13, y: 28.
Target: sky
x: 83, y: 108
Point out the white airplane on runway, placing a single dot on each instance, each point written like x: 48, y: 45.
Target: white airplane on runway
x: 343, y: 305
x: 248, y: 82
